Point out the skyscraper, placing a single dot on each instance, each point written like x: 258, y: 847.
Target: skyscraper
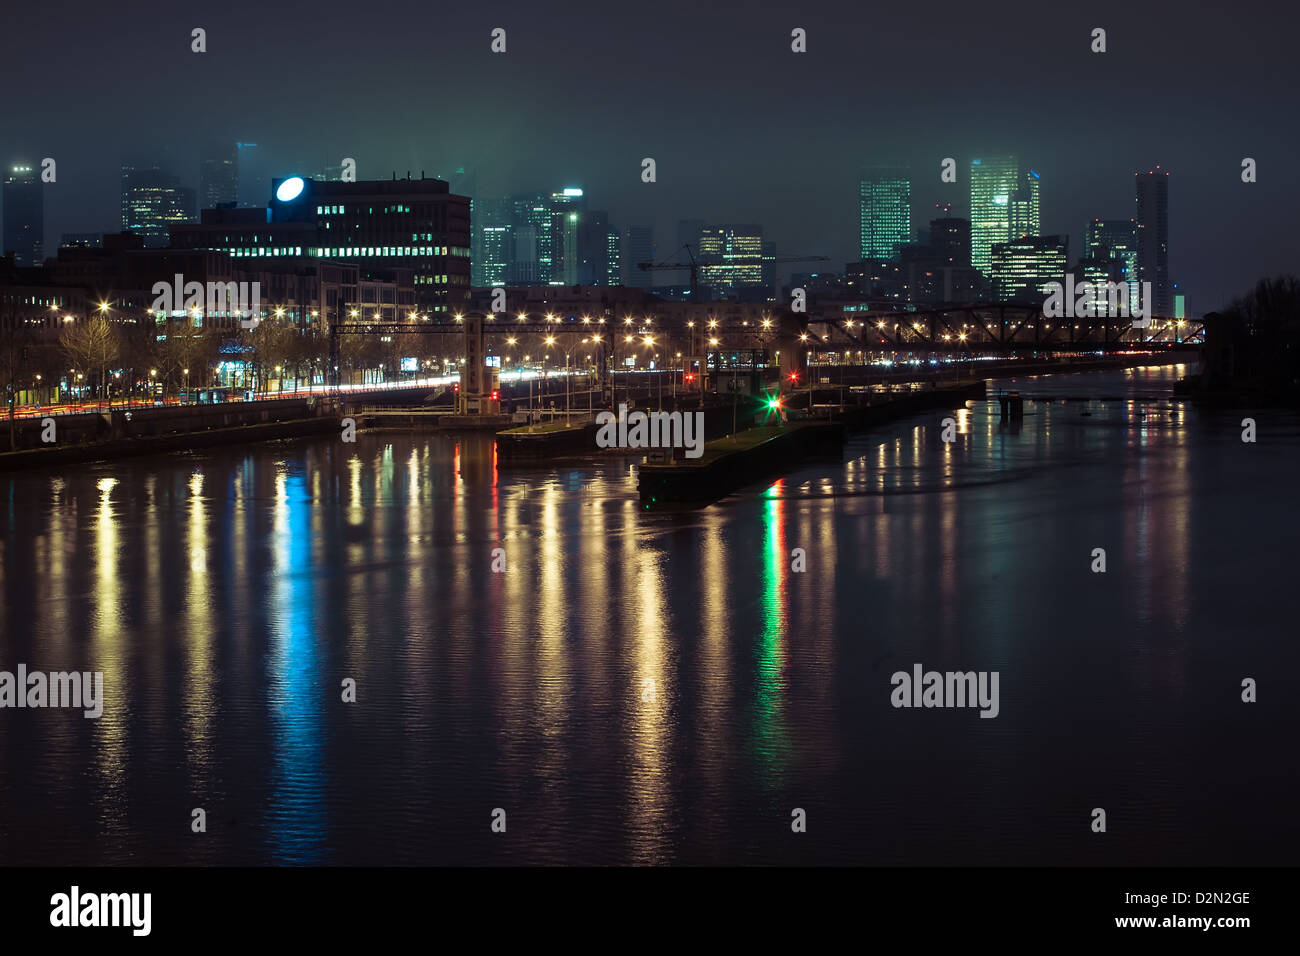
x: 993, y: 181
x: 1153, y: 237
x: 1024, y: 206
x: 614, y: 256
x: 1023, y: 266
x: 731, y: 257
x: 492, y: 242
x: 1115, y: 239
x: 884, y: 212
x: 568, y: 209
x: 252, y: 180
x: 218, y: 175
x: 152, y: 202
x: 530, y: 220
x: 951, y: 241
x: 640, y: 247
x: 1099, y: 272
x: 24, y: 209
x: 593, y: 249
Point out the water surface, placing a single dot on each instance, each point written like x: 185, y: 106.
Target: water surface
x: 662, y: 688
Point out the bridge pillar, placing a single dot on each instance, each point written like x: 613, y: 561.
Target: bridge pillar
x: 473, y: 397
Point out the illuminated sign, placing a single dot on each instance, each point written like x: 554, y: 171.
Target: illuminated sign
x: 290, y: 189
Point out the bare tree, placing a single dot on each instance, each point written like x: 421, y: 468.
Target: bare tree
x: 92, y: 345
x: 272, y: 345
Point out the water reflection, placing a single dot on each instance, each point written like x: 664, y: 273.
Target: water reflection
x: 296, y: 691
x: 653, y: 688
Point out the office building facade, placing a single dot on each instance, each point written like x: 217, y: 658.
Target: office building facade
x: 410, y: 224
x: 153, y: 201
x: 1152, y: 226
x: 24, y: 215
x: 1022, y: 267
x: 639, y: 248
x: 1106, y: 239
x: 731, y: 258
x: 993, y: 181
x: 218, y: 175
x: 884, y: 212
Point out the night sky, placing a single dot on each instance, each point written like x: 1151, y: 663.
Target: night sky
x: 742, y: 129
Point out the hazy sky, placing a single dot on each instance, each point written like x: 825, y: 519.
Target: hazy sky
x: 742, y: 129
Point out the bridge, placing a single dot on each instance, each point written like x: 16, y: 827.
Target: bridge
x: 703, y: 332
x: 1009, y: 328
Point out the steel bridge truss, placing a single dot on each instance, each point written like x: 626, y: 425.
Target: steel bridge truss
x: 1008, y: 327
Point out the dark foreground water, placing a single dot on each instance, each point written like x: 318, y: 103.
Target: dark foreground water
x: 663, y: 688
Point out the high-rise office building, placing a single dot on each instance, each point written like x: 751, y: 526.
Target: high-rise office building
x: 769, y: 264
x: 950, y: 239
x: 252, y: 178
x: 530, y: 219
x: 568, y: 210
x: 1153, y: 237
x: 879, y: 280
x: 218, y: 174
x: 593, y: 249
x: 614, y: 256
x: 884, y: 212
x: 639, y: 248
x: 939, y: 269
x: 731, y: 257
x: 993, y: 181
x: 1100, y: 271
x: 1106, y: 239
x: 1023, y: 266
x: 152, y: 202
x: 1024, y: 206
x: 24, y: 212
x: 492, y: 243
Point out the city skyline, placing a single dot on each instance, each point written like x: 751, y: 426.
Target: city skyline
x: 558, y: 240
x: 572, y: 244
x: 791, y: 169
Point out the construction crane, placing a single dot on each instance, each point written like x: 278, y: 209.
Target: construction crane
x: 694, y: 266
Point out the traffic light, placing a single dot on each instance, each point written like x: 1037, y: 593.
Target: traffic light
x: 794, y: 376
x: 496, y: 396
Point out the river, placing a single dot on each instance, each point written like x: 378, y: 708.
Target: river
x: 664, y: 688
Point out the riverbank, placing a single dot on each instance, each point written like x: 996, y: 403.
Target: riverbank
x: 119, y: 433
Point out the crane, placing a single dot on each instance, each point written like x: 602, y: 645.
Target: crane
x: 694, y: 266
